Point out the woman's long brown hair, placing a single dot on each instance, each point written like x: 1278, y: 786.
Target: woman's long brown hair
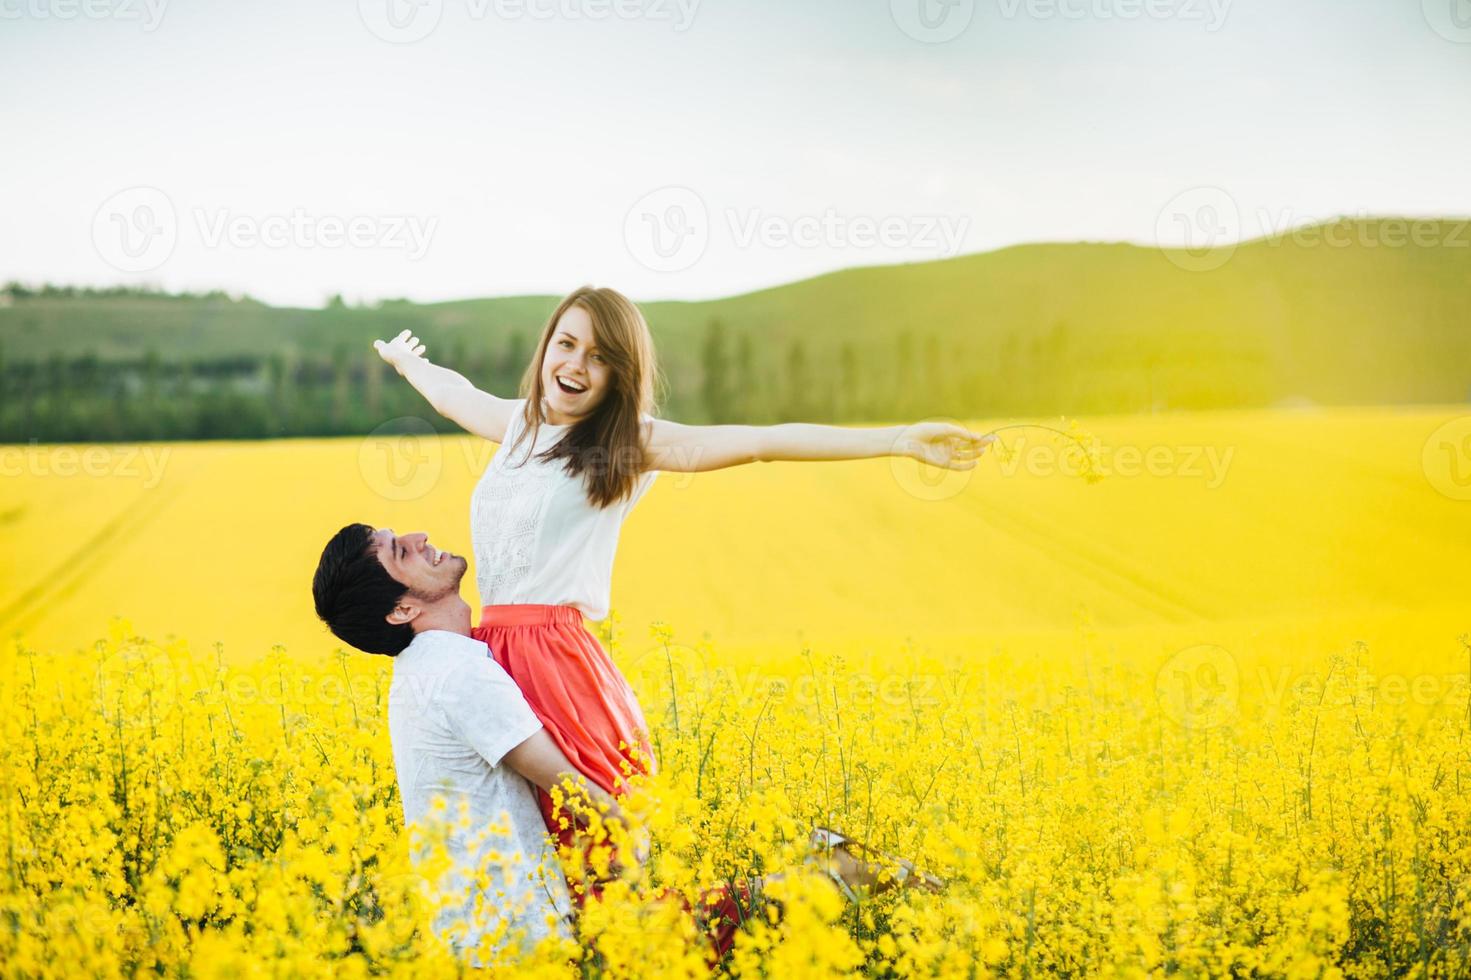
x: 606, y: 449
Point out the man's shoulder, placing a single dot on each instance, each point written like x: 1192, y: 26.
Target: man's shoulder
x: 441, y: 648
x: 437, y: 664
x: 458, y: 667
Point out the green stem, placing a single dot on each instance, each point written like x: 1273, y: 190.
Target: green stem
x: 1035, y: 425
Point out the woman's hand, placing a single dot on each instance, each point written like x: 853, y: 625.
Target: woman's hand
x: 451, y: 394
x: 943, y: 444
x: 400, y: 350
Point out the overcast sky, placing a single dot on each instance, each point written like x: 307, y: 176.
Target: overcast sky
x: 441, y: 149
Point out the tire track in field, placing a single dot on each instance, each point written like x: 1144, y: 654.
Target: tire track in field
x: 1101, y: 567
x: 73, y: 571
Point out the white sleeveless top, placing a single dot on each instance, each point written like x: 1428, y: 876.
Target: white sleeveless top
x: 536, y: 537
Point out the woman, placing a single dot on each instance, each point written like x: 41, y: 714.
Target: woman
x: 578, y: 451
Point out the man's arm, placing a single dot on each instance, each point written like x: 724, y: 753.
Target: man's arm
x: 485, y: 708
x: 543, y: 764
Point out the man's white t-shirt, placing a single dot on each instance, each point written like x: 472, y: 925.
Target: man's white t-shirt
x: 536, y: 537
x: 453, y: 714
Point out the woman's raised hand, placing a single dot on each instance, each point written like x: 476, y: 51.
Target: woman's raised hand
x: 943, y: 444
x: 400, y: 350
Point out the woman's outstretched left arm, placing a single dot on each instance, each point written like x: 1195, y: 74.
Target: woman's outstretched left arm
x: 697, y: 448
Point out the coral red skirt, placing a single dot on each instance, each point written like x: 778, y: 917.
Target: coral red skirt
x: 571, y: 684
x: 587, y: 707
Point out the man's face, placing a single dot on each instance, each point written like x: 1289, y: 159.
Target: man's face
x: 428, y: 573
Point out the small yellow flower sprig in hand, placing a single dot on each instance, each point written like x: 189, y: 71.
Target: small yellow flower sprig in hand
x: 1082, y: 447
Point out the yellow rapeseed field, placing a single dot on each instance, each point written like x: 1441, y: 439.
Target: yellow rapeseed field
x: 1207, y: 716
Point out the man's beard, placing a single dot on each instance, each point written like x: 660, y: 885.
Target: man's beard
x: 451, y: 589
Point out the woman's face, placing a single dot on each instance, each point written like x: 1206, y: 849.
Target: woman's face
x: 574, y: 375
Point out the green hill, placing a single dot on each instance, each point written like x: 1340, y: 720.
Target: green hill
x: 1034, y: 328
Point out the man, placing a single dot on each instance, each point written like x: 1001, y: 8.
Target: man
x: 460, y: 731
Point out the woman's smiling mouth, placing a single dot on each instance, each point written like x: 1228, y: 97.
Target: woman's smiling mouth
x: 570, y: 387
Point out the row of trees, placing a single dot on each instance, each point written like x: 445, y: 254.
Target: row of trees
x: 728, y: 376
x: 235, y: 397
x: 16, y: 291
x: 802, y: 381
x: 87, y: 398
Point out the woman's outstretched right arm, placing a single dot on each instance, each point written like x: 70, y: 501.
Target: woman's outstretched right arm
x: 449, y: 393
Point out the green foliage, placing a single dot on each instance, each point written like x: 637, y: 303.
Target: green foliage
x: 1076, y: 328
x: 717, y: 386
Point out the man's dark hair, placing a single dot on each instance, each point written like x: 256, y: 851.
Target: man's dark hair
x: 354, y: 593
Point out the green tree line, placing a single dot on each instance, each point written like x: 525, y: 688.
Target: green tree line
x: 348, y: 391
